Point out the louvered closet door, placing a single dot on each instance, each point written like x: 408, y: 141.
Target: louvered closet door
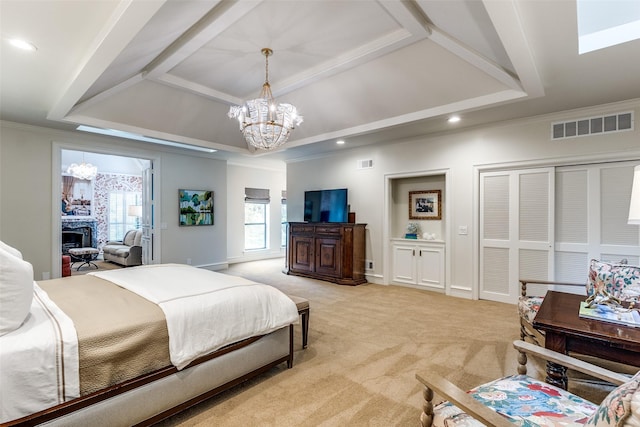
x: 516, y: 224
x: 592, y: 205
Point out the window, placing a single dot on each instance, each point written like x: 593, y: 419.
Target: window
x: 256, y: 213
x: 602, y: 24
x: 283, y: 220
x: 119, y: 220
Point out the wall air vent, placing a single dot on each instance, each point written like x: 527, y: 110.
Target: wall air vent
x: 365, y: 164
x: 616, y: 122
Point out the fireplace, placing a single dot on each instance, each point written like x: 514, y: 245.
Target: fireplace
x: 78, y: 234
x: 72, y: 239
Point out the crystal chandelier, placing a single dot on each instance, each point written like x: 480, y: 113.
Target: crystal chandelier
x: 264, y: 123
x: 83, y: 170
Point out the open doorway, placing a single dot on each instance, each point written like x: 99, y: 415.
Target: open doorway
x: 100, y: 208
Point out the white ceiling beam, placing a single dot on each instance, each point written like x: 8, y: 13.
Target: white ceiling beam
x: 128, y: 19
x: 413, y: 28
x: 198, y: 89
x: 440, y: 110
x: 475, y: 59
x: 105, y: 94
x: 507, y: 23
x: 107, y: 124
x: 376, y: 48
x: 218, y: 19
x: 408, y: 16
x: 215, y: 21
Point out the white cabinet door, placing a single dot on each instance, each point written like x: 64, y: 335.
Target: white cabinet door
x: 404, y: 264
x: 420, y: 264
x: 430, y: 266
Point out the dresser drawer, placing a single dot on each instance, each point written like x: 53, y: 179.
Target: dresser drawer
x: 302, y: 228
x: 327, y: 229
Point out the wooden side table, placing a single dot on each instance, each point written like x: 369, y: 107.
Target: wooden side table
x: 565, y: 331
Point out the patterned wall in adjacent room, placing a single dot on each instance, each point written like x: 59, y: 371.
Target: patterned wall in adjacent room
x: 105, y: 183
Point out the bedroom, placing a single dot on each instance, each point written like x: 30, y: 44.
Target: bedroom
x: 514, y: 135
x: 460, y: 154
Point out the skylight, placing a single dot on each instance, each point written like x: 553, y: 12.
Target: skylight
x: 605, y: 23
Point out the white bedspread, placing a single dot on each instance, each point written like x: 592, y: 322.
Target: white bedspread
x: 205, y: 310
x: 39, y: 359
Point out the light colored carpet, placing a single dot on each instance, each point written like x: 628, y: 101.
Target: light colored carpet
x: 366, y: 344
x: 102, y: 266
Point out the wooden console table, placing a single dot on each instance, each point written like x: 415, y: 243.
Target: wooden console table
x: 565, y: 331
x: 327, y: 251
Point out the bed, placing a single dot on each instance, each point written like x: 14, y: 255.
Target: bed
x: 129, y: 347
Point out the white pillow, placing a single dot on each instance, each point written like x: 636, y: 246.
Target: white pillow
x: 16, y: 291
x: 13, y: 251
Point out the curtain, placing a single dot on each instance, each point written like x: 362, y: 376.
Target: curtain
x: 67, y: 186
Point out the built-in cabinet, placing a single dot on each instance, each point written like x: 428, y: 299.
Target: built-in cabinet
x: 419, y: 263
x: 327, y: 251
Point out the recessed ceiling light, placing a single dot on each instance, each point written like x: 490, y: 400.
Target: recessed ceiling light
x: 23, y: 44
x: 340, y: 142
x: 454, y: 119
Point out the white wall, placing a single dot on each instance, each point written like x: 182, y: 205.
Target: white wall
x: 462, y: 154
x: 239, y: 177
x: 26, y: 185
x: 25, y: 190
x: 399, y: 200
x: 26, y: 206
x: 204, y: 245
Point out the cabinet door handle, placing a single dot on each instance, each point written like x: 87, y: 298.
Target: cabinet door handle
x: 414, y: 252
x: 420, y: 252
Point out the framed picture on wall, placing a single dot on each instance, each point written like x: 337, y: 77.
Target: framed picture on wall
x: 425, y: 204
x: 196, y: 207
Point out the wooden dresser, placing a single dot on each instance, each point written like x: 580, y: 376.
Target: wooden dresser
x: 327, y: 251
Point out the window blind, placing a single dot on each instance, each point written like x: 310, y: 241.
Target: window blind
x: 257, y: 195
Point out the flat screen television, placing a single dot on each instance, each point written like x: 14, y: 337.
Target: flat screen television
x: 326, y: 205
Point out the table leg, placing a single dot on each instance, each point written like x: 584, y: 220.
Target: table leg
x: 556, y: 375
x: 86, y: 259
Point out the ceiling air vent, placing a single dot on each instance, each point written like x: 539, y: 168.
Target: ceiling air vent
x: 365, y: 164
x: 616, y: 122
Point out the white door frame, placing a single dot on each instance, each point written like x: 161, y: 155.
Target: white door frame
x: 387, y: 226
x: 56, y: 183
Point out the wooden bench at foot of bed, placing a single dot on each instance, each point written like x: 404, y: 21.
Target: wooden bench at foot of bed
x: 302, y: 304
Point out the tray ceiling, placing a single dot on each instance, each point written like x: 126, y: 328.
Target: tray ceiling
x: 354, y: 69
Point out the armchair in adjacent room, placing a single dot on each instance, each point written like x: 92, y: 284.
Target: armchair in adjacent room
x: 127, y: 252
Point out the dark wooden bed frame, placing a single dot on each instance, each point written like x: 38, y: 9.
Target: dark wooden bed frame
x: 83, y: 402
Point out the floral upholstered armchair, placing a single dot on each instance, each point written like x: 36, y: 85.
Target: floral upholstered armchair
x: 528, y: 305
x: 525, y: 401
x: 619, y: 280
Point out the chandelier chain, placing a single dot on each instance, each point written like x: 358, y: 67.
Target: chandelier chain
x: 266, y: 67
